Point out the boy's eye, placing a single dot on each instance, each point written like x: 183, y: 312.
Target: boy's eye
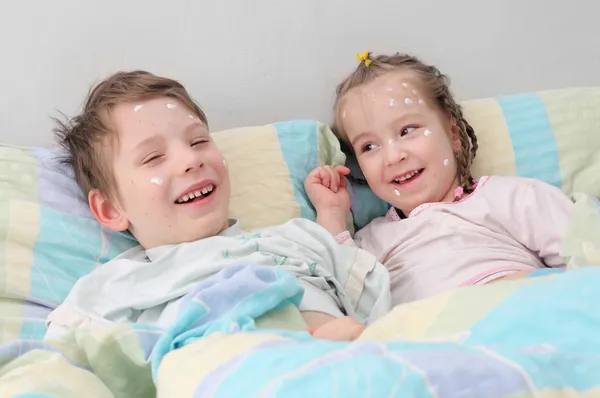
x: 199, y: 141
x: 407, y: 130
x: 369, y: 147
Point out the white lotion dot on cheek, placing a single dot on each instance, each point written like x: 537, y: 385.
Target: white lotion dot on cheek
x: 446, y: 162
x: 171, y: 106
x: 415, y: 92
x: 421, y: 102
x: 137, y: 108
x: 408, y: 101
x: 156, y: 180
x: 427, y: 132
x: 396, y: 192
x: 224, y: 163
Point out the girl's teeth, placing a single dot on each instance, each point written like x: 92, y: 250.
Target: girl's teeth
x: 197, y: 193
x: 204, y: 191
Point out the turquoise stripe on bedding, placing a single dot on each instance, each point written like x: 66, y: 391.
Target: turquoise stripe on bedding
x: 58, y: 269
x: 301, y: 155
x: 532, y: 136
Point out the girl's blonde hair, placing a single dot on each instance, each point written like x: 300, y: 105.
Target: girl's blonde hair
x: 437, y: 86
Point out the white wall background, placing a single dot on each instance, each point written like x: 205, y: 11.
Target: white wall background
x: 255, y: 62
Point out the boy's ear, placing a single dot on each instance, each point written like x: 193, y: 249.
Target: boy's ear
x: 107, y: 212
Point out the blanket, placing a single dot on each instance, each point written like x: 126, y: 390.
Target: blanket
x: 536, y: 337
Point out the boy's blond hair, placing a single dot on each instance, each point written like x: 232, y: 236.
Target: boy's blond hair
x: 89, y: 138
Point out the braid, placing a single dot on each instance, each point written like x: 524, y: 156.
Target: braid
x: 468, y: 143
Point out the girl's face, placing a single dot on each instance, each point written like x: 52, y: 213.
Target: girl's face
x: 404, y: 145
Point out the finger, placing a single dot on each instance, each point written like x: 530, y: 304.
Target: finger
x: 342, y: 170
x: 326, y: 177
x: 335, y: 179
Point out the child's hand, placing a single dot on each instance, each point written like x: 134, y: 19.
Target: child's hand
x: 326, y: 189
x: 340, y: 329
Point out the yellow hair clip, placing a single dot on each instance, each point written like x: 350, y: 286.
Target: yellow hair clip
x: 364, y: 57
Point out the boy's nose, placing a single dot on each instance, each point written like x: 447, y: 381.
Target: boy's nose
x: 190, y: 161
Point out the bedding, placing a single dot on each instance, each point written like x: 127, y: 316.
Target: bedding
x: 536, y: 337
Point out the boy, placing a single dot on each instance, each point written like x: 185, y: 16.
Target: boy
x: 142, y: 154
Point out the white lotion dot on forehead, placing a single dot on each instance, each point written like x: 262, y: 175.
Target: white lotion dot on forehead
x: 397, y: 192
x: 446, y: 162
x: 415, y: 92
x: 392, y: 102
x: 156, y: 180
x: 421, y: 102
x: 191, y: 116
x: 405, y: 84
x: 427, y: 132
x: 137, y: 108
x: 171, y: 106
x: 408, y: 101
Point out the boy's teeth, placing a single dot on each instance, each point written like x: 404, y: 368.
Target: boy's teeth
x: 196, y: 194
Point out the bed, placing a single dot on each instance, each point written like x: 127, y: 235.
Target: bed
x: 537, y: 337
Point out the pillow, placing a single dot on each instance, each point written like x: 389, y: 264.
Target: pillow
x: 49, y: 238
x: 553, y: 136
x: 582, y: 240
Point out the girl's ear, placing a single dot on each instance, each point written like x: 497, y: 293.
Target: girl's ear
x: 455, y: 136
x: 108, y: 213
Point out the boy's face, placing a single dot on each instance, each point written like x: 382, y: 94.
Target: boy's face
x: 172, y: 180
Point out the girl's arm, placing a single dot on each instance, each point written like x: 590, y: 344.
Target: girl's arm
x: 540, y: 218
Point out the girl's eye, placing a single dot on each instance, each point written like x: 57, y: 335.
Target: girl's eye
x: 151, y: 159
x: 369, y: 147
x: 407, y: 130
x: 199, y: 141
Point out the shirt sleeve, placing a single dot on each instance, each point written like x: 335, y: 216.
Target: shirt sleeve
x: 540, y: 219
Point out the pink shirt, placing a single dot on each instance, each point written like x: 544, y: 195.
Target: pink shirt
x: 507, y: 224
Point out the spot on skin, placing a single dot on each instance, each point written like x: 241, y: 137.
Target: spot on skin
x: 446, y: 162
x: 396, y: 192
x: 408, y: 101
x: 137, y: 108
x: 427, y: 132
x: 392, y: 102
x: 156, y: 180
x: 171, y: 106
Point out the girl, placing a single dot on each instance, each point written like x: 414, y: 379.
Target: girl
x: 415, y: 148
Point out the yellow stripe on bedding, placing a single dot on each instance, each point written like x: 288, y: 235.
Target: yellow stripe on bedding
x: 268, y: 175
x: 23, y: 227
x: 409, y: 321
x: 201, y: 358
x: 495, y: 155
x: 573, y: 115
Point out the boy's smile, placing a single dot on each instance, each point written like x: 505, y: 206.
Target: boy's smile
x: 172, y: 181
